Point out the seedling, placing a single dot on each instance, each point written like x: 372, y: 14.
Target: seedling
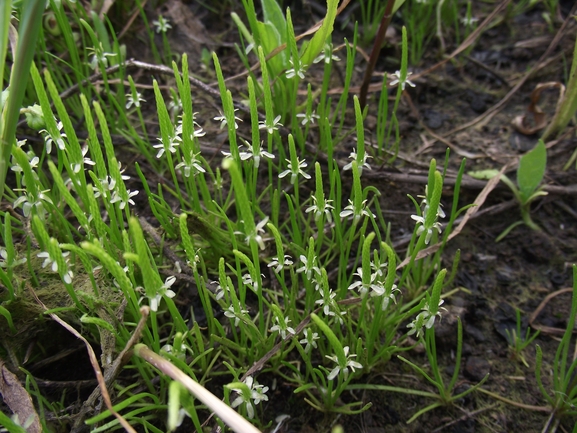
x: 517, y: 342
x: 530, y: 173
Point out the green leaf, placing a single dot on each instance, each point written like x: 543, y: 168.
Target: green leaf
x: 484, y: 174
x: 318, y: 41
x: 531, y: 170
x: 273, y: 15
x: 270, y: 38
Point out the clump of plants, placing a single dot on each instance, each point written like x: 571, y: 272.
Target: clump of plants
x: 266, y: 262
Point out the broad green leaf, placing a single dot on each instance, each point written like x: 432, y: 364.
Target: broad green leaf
x: 270, y: 38
x: 317, y: 43
x: 273, y: 15
x: 531, y: 170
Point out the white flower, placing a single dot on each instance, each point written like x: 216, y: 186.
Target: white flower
x: 66, y: 274
x: 469, y: 21
x: 219, y: 292
x: 308, y: 118
x: 295, y: 171
x: 282, y: 327
x: 59, y: 138
x: 309, y: 340
x: 10, y: 262
x: 374, y: 285
x: 270, y: 127
x: 135, y: 100
x: 248, y: 281
x: 388, y: 297
x: 297, y: 70
x: 99, y: 56
x: 323, y: 207
x: 117, y: 197
x: 356, y: 213
x: 361, y: 164
x: 424, y: 319
x: 327, y: 302
x: 232, y: 314
x: 164, y: 290
x: 162, y: 25
x: 170, y: 146
x: 223, y: 121
x: 257, y: 394
x: 85, y: 160
x: 279, y: 265
x: 33, y: 161
x: 344, y: 368
x: 197, y: 130
x: 401, y: 81
x: 422, y: 220
x: 28, y: 201
x: 327, y: 55
x: 308, y: 268
x: 191, y: 166
x: 259, y: 228
x: 254, y: 152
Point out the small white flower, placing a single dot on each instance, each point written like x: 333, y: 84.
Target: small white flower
x: 254, y: 152
x: 67, y: 274
x: 323, y: 207
x: 469, y: 21
x: 259, y: 228
x: 192, y: 166
x: 401, y: 81
x: 248, y: 281
x: 99, y: 56
x: 308, y: 118
x: 282, y: 327
x: 328, y: 303
x: 28, y: 201
x: 424, y: 320
x: 280, y: 265
x: 344, y: 368
x: 257, y: 394
x: 356, y: 213
x: 309, y: 340
x: 59, y: 138
x: 308, y: 268
x: 170, y: 146
x: 117, y: 197
x: 164, y: 290
x: 295, y: 171
x: 298, y: 70
x: 376, y: 287
x: 421, y: 220
x: 232, y: 314
x: 223, y: 121
x: 162, y: 24
x: 134, y: 100
x: 6, y: 263
x: 360, y: 164
x: 327, y: 55
x: 219, y: 292
x: 85, y: 160
x: 270, y: 127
